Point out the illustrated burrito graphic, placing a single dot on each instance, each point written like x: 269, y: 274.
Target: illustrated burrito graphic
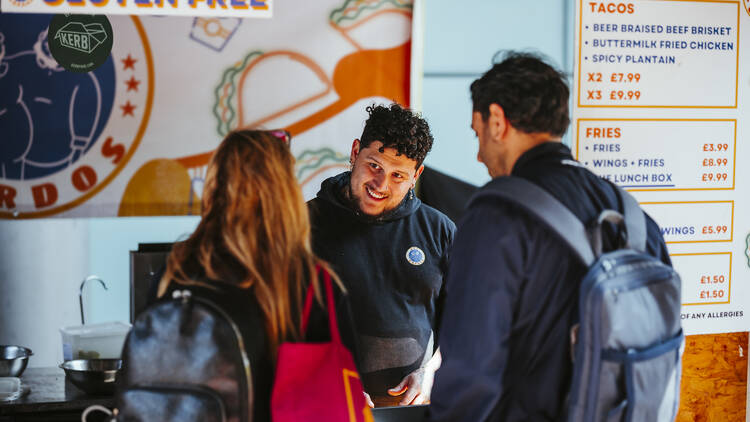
x: 85, y: 38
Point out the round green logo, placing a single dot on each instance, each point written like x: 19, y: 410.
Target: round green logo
x: 80, y: 43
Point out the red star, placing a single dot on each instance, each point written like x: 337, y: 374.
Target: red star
x: 129, y: 62
x: 132, y: 84
x: 127, y: 109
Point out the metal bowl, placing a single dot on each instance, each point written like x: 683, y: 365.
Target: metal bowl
x: 13, y: 360
x: 93, y: 376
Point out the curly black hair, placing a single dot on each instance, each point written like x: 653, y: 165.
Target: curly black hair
x: 533, y: 94
x: 398, y: 128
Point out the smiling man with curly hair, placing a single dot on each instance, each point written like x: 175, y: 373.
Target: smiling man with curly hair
x: 390, y: 250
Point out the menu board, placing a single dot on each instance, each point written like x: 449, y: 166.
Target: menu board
x: 661, y: 96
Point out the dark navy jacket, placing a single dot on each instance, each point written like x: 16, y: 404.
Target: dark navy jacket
x: 511, y: 299
x: 393, y: 268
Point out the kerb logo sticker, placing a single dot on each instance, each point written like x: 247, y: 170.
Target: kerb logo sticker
x: 80, y: 43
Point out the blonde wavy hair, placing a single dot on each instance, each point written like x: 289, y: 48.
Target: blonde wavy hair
x: 254, y: 232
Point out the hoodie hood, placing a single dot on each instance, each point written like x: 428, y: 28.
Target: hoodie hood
x: 332, y: 191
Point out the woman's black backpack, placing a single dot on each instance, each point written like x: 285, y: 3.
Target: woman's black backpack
x: 184, y: 360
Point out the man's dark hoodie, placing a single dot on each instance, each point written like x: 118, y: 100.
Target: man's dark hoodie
x: 393, y: 267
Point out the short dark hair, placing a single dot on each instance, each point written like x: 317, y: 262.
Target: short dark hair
x: 398, y: 128
x: 533, y: 94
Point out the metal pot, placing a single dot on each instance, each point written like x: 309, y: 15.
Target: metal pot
x: 93, y: 376
x: 13, y: 360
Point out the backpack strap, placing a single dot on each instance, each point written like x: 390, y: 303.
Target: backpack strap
x: 635, y: 220
x: 536, y: 201
x: 558, y: 218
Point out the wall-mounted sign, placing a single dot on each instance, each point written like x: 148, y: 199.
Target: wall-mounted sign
x: 661, y: 108
x: 236, y: 8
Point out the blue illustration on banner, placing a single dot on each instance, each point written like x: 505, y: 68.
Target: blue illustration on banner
x: 39, y: 97
x: 214, y: 33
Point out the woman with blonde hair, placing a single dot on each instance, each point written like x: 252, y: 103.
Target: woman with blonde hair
x: 252, y: 251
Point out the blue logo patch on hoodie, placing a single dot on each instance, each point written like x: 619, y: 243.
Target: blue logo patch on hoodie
x: 415, y: 256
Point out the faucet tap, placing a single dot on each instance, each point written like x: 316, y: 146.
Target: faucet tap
x: 80, y: 292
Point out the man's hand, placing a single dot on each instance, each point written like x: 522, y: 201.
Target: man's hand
x: 368, y: 400
x: 417, y: 386
x: 412, y: 389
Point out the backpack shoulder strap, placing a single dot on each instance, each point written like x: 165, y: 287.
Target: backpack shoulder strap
x: 537, y: 202
x: 635, y: 220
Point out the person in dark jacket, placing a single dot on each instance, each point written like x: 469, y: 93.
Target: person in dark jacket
x: 512, y: 285
x: 390, y: 251
x: 251, y: 254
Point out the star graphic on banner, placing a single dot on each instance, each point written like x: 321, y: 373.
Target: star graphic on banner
x: 129, y: 62
x: 127, y: 109
x: 132, y: 84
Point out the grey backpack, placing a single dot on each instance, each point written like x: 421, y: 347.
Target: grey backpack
x: 185, y: 359
x: 628, y: 344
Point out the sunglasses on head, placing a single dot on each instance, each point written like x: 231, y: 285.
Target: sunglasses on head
x: 283, y: 135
